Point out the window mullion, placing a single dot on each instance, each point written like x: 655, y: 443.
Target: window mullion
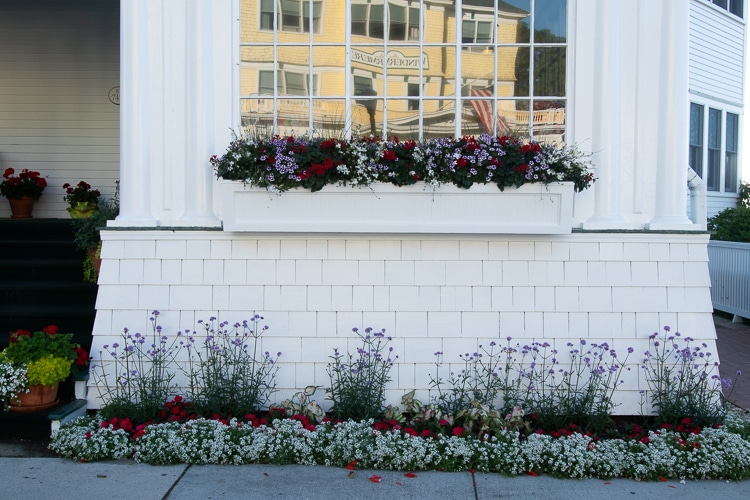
x: 532, y: 56
x: 310, y: 75
x: 420, y: 110
x: 458, y: 75
x: 348, y: 76
x: 386, y: 36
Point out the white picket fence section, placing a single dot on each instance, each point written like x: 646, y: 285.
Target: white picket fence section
x: 729, y: 267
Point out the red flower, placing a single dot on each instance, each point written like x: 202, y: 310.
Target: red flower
x: 351, y: 465
x: 410, y: 431
x: 410, y: 474
x: 389, y: 155
x: 50, y: 329
x: 375, y: 478
x: 126, y: 424
x: 443, y: 422
x: 458, y: 431
x: 82, y: 357
x: 19, y: 333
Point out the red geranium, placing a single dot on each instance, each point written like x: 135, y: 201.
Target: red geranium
x: 26, y: 183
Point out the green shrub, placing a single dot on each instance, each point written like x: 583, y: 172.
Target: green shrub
x: 732, y: 224
x: 358, y: 381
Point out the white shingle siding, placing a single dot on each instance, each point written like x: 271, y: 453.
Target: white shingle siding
x: 431, y: 293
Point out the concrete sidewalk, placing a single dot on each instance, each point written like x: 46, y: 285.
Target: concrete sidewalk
x: 34, y: 478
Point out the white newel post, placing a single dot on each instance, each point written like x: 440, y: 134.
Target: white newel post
x: 674, y: 122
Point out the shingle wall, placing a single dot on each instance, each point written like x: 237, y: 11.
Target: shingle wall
x: 431, y: 294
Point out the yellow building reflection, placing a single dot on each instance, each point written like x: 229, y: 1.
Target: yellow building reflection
x: 400, y: 68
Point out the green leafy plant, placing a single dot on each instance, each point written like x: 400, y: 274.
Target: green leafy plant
x: 358, y: 381
x: 80, y: 193
x: 300, y: 404
x: 26, y: 346
x: 731, y: 224
x: 683, y: 380
x: 135, y: 379
x: 227, y: 372
x: 48, y: 370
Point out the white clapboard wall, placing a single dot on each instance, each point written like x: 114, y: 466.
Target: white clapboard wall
x: 59, y: 63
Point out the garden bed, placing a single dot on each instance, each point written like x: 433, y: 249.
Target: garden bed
x: 661, y: 454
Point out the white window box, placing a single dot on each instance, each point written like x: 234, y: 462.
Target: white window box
x: 384, y: 208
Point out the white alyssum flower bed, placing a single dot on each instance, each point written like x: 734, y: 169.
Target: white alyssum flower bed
x: 712, y: 454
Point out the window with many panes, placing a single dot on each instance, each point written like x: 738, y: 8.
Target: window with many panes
x: 409, y: 68
x: 714, y: 146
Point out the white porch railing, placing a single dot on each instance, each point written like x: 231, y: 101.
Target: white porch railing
x: 729, y: 267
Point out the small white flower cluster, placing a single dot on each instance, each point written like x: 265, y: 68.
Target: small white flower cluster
x: 12, y: 380
x: 712, y: 454
x: 86, y: 440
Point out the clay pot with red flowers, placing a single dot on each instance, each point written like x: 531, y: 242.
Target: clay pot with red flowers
x: 38, y: 362
x: 22, y: 190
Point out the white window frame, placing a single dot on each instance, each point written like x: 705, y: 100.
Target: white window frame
x: 724, y: 109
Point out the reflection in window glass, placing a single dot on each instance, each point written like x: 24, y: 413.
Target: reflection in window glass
x: 549, y: 71
x: 696, y: 138
x: 730, y: 157
x: 509, y: 75
x: 331, y: 80
x: 714, y: 150
x: 294, y: 114
x: 550, y: 21
x: 328, y: 117
x: 403, y: 122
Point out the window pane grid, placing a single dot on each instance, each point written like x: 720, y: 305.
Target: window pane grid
x: 481, y: 78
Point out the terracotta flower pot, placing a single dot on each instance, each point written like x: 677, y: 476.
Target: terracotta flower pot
x: 39, y: 397
x: 21, y: 208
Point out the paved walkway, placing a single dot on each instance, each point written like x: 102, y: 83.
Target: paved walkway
x: 733, y: 344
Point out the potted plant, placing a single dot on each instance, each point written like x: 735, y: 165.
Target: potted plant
x: 34, y: 364
x: 22, y: 191
x: 87, y: 234
x: 82, y: 199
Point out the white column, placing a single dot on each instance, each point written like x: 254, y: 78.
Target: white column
x: 606, y: 141
x: 199, y: 103
x: 135, y: 123
x: 176, y: 57
x: 674, y: 120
